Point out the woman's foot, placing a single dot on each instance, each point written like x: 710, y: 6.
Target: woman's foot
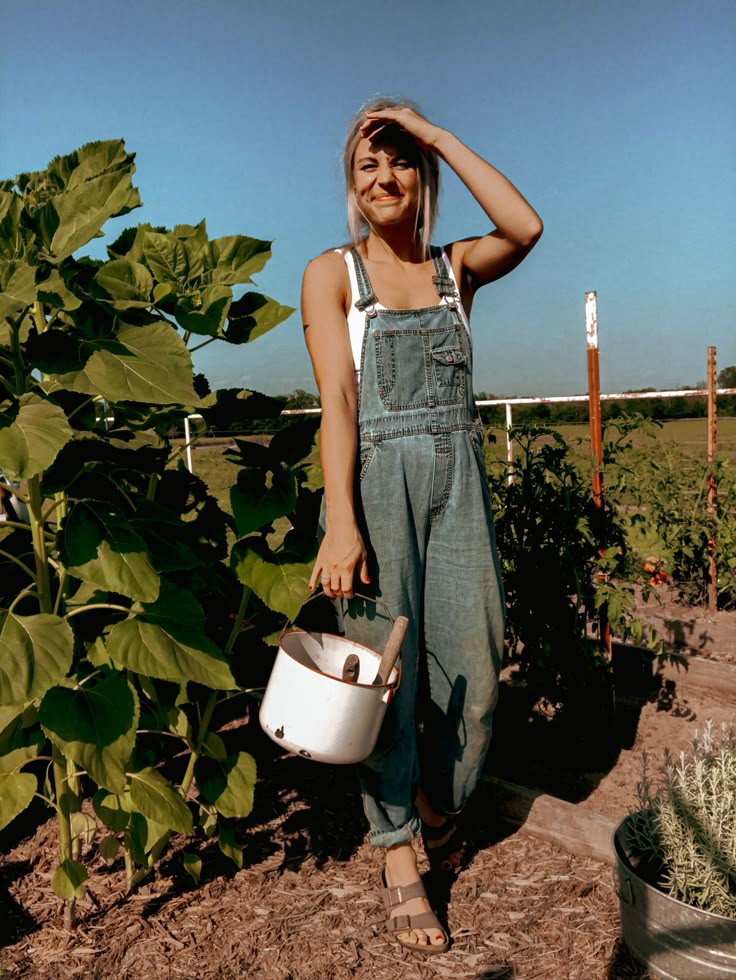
x: 444, y: 846
x: 424, y: 932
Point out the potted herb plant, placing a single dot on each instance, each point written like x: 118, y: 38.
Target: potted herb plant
x: 676, y: 863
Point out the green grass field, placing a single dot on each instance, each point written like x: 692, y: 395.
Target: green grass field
x: 688, y: 434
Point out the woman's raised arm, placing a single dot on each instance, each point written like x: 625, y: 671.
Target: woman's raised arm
x: 342, y: 553
x: 518, y: 227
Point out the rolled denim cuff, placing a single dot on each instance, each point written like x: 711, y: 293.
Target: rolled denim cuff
x: 391, y: 838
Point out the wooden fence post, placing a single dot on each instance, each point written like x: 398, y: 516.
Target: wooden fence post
x: 712, y: 482
x: 596, y: 437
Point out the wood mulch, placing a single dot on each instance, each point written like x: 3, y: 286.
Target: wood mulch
x: 306, y: 906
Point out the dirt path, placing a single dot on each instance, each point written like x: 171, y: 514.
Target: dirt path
x: 306, y: 907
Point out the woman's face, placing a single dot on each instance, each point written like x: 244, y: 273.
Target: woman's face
x: 386, y: 183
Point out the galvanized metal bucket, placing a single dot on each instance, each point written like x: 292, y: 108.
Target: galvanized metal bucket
x: 670, y: 938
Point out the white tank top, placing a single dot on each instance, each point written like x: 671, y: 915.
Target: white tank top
x: 356, y: 318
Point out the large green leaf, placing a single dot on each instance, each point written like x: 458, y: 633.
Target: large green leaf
x: 229, y: 406
x: 35, y: 653
x: 145, y: 834
x: 69, y: 880
x: 179, y: 611
x: 95, y: 725
x: 204, y: 312
x: 174, y: 259
x: 235, y: 258
x: 99, y: 546
x: 278, y: 579
x: 113, y: 809
x: 8, y: 714
x: 142, y: 364
x: 32, y: 441
x: 228, y: 844
x: 297, y: 442
x: 98, y: 186
x: 192, y: 865
x: 157, y: 800
x: 17, y: 286
x: 16, y: 792
x: 170, y: 541
x: 21, y: 739
x: 13, y: 240
x: 228, y: 784
x: 55, y: 294
x: 256, y: 504
x: 127, y: 284
x: 86, y: 453
x: 17, y: 758
x: 152, y: 650
x: 253, y: 315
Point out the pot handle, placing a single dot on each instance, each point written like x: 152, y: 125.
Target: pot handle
x: 622, y: 887
x: 356, y: 595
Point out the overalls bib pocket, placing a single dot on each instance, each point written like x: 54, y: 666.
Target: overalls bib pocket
x: 448, y: 364
x: 400, y: 371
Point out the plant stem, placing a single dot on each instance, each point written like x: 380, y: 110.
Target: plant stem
x: 64, y: 805
x: 39, y: 316
x: 201, y: 735
x: 204, y: 725
x: 203, y: 344
x: 152, y: 484
x: 128, y: 858
x: 72, y: 784
x: 43, y: 583
x: 95, y: 605
x: 18, y: 365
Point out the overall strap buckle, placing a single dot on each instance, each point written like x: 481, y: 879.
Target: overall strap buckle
x: 443, y: 281
x: 367, y: 304
x: 367, y: 299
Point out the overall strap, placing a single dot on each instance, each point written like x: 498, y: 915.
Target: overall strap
x: 443, y: 282
x: 367, y: 299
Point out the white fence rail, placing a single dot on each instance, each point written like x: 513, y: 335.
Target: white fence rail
x: 509, y: 403
x: 619, y: 396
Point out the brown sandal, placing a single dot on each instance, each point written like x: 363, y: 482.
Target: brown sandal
x: 397, y: 895
x: 451, y: 856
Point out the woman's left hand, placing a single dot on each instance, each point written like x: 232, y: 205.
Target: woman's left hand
x: 419, y: 128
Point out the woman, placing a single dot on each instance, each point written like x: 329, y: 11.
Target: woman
x: 406, y: 506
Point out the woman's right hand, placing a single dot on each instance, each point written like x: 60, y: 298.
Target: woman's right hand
x: 342, y: 556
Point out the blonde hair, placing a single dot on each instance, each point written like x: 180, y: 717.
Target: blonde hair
x: 428, y: 175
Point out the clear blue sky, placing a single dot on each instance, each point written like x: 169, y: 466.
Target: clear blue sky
x: 616, y: 120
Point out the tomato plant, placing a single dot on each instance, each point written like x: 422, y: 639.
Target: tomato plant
x: 675, y: 495
x: 563, y: 561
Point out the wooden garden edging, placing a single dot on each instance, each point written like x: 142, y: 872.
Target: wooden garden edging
x: 575, y: 829
x: 579, y: 831
x: 709, y: 675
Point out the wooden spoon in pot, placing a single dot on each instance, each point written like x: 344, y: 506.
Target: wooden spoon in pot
x: 391, y: 650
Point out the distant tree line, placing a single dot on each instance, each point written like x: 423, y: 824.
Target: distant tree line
x: 655, y: 408
x: 570, y: 412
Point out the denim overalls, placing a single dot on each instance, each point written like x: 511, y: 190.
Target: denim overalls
x: 423, y: 506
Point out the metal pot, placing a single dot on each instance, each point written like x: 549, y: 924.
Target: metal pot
x: 308, y: 707
x: 670, y: 938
